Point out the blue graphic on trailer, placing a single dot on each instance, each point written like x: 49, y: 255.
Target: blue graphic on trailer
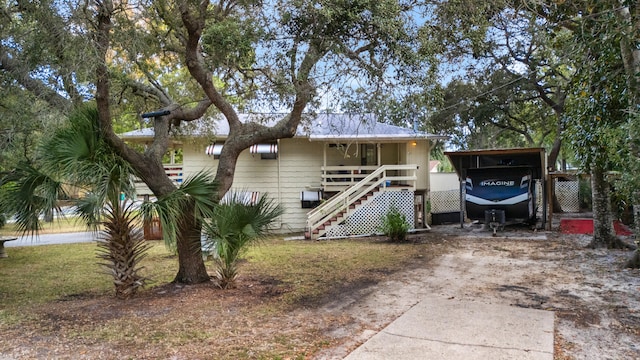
x: 501, y: 188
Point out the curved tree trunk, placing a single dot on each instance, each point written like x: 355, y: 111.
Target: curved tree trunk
x: 603, y: 233
x: 634, y: 262
x: 149, y: 165
x: 631, y: 60
x: 191, y: 264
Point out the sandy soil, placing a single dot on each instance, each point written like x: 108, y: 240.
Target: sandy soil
x: 595, y: 300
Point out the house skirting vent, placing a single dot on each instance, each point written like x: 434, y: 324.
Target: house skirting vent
x: 367, y: 218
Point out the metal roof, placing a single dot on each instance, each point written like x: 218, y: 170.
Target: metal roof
x: 533, y: 158
x: 321, y: 127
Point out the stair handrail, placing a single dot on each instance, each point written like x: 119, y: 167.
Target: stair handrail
x: 341, y: 201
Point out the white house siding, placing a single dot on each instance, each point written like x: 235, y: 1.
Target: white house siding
x: 194, y: 159
x: 300, y: 163
x: 390, y: 154
x: 297, y: 167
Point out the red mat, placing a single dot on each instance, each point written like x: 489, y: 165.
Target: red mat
x: 585, y: 226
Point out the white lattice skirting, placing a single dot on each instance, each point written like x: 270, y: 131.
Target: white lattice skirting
x: 367, y: 218
x: 567, y: 193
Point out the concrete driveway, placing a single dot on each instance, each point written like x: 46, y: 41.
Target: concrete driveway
x: 449, y: 329
x: 51, y: 239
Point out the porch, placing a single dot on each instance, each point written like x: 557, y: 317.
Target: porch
x: 360, y: 196
x: 339, y: 178
x: 173, y: 171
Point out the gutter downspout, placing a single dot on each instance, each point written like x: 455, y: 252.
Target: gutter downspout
x: 278, y: 178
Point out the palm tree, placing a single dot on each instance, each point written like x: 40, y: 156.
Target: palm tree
x: 198, y: 194
x: 122, y: 247
x: 235, y: 225
x: 76, y: 155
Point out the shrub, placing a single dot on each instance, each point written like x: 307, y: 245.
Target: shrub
x: 395, y: 225
x: 236, y: 224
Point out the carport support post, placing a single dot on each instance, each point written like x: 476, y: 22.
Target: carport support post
x: 462, y: 182
x: 549, y: 195
x: 547, y: 208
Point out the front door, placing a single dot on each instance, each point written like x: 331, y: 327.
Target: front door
x: 369, y: 154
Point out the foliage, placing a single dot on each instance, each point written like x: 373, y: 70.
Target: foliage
x: 22, y: 127
x: 80, y: 156
x: 27, y: 193
x: 584, y: 193
x: 122, y: 247
x: 505, y: 73
x: 234, y: 226
x: 597, y: 116
x: 198, y: 194
x: 395, y: 225
x: 76, y: 155
x: 195, y: 59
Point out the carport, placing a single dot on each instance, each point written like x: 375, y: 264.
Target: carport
x: 502, y: 161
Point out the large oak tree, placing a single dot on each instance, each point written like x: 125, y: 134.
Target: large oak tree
x: 187, y: 60
x: 507, y: 69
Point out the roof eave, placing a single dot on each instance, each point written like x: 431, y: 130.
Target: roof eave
x: 376, y: 137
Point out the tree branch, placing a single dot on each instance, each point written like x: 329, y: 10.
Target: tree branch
x: 195, y: 64
x: 37, y: 87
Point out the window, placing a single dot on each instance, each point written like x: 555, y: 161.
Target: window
x: 310, y: 199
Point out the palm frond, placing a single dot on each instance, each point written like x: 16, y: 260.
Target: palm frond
x: 90, y: 210
x: 197, y: 193
x: 29, y: 194
x: 79, y: 154
x: 235, y: 225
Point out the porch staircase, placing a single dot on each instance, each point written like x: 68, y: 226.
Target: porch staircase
x: 365, y: 201
x: 340, y: 217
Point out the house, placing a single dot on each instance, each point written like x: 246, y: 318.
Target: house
x: 336, y: 177
x: 433, y: 166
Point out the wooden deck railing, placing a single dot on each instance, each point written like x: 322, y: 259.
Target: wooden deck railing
x: 174, y: 171
x: 380, y: 178
x: 338, y: 178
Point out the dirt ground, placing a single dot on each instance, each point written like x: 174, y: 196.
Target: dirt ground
x: 596, y: 302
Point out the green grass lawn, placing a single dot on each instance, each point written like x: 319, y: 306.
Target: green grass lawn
x: 61, y: 287
x: 33, y: 275
x: 38, y: 274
